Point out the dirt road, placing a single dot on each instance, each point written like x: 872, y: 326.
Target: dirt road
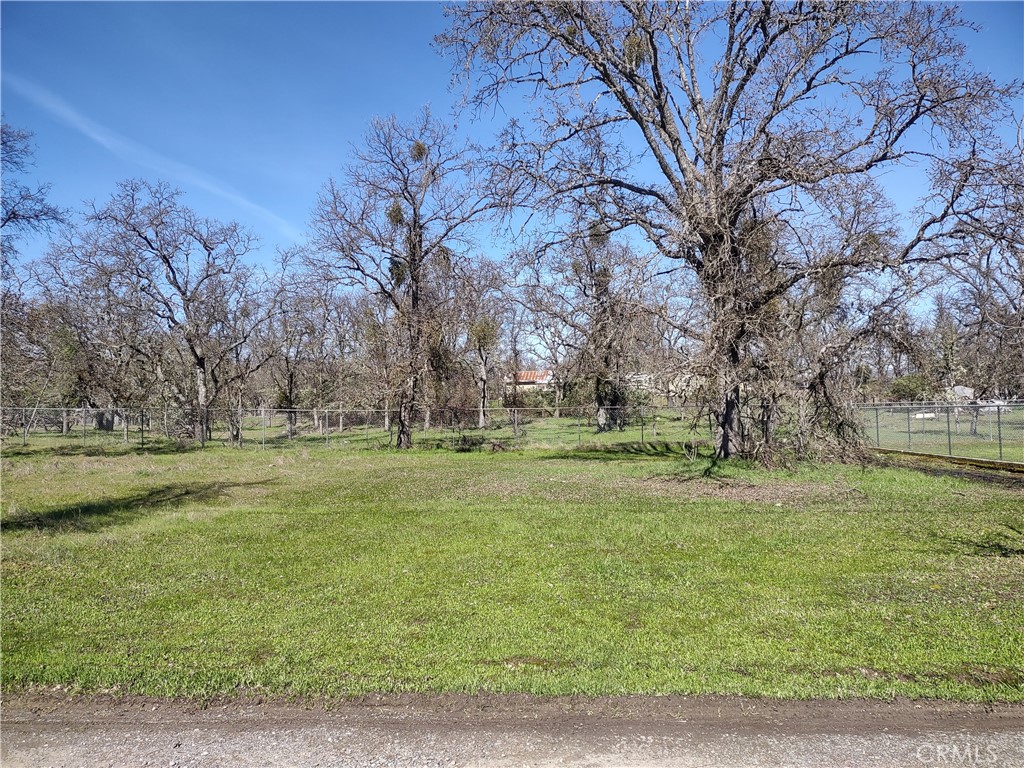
x: 56, y: 730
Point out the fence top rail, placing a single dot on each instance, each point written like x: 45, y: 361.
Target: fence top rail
x: 134, y: 411
x: 942, y: 404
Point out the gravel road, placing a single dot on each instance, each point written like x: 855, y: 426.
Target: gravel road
x: 414, y: 731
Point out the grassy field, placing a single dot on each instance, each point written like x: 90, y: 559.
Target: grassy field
x: 994, y: 438
x: 889, y: 427
x: 623, y: 570
x: 531, y: 428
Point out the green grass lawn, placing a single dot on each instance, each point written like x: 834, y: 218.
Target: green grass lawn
x: 325, y: 572
x: 994, y: 438
x: 889, y: 429
x: 532, y: 429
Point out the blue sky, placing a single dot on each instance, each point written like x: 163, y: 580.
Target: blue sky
x: 249, y: 107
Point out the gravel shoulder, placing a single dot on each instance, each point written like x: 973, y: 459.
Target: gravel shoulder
x: 56, y: 729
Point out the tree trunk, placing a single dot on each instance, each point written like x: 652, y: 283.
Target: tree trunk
x: 481, y: 383
x: 201, y: 392
x: 728, y: 424
x: 404, y: 424
x: 104, y: 421
x: 65, y: 422
x: 406, y: 408
x: 610, y: 397
x: 235, y: 422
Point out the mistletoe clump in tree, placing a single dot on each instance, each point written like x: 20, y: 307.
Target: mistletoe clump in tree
x: 744, y: 141
x: 397, y: 226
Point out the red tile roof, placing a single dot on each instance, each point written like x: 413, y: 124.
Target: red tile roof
x: 534, y: 377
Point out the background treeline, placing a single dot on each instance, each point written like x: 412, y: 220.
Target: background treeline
x: 759, y: 272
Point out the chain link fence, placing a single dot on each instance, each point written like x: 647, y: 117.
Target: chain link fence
x: 992, y: 431
x: 503, y: 428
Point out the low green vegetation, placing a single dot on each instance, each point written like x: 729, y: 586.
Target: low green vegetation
x: 523, y: 428
x: 929, y: 429
x: 631, y: 569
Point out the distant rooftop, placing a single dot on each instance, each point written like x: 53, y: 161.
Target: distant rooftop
x: 534, y: 377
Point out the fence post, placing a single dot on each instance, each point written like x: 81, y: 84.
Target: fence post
x: 142, y: 429
x: 579, y: 428
x: 642, y: 441
x: 263, y: 421
x: 999, y: 427
x: 83, y: 425
x: 910, y: 441
x: 878, y: 431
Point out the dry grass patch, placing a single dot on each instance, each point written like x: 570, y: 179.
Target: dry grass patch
x: 771, y: 492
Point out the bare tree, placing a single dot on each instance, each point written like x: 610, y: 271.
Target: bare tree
x: 985, y: 283
x: 46, y: 359
x: 380, y: 353
x: 481, y: 315
x: 722, y: 131
x: 402, y: 216
x: 587, y: 300
x: 24, y: 208
x: 185, y: 274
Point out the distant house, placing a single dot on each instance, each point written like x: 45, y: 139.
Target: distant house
x: 532, y: 380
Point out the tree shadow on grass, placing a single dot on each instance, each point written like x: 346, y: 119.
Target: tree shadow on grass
x: 161, y: 448
x: 696, y: 451
x: 1006, y: 541
x: 93, y: 516
x: 699, y: 455
x: 1007, y: 478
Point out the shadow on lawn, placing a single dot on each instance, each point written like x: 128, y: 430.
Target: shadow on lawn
x: 161, y: 448
x: 1006, y: 542
x: 937, y: 467
x: 694, y: 451
x: 94, y: 516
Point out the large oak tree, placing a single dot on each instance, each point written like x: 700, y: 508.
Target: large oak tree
x: 733, y: 135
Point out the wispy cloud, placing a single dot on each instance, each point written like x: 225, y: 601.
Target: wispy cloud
x: 133, y: 151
